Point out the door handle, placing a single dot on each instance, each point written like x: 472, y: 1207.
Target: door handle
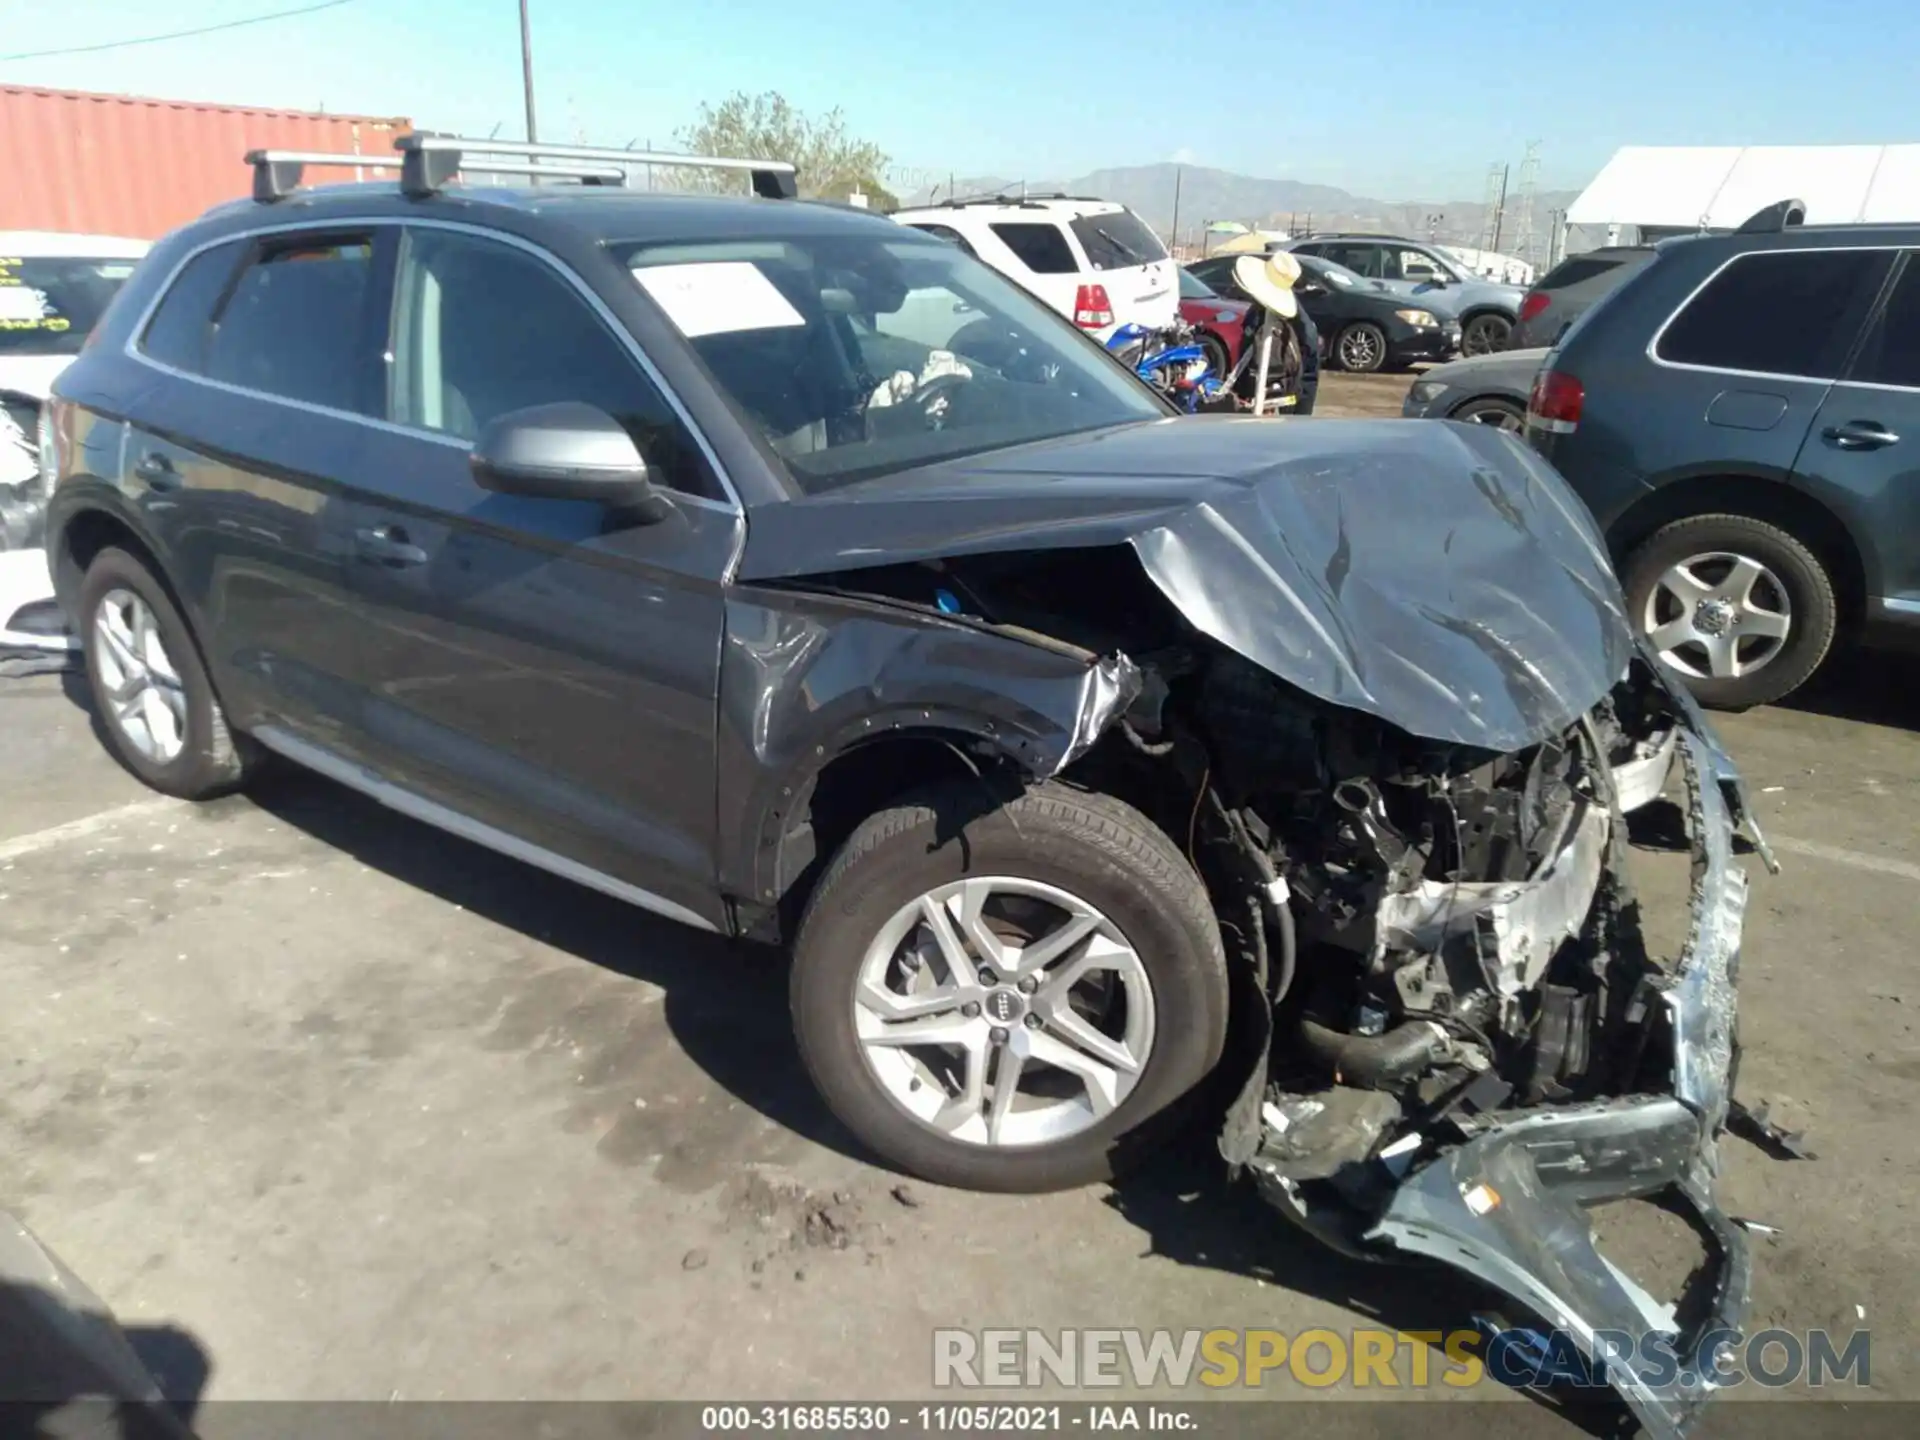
x: 157, y: 471
x: 1860, y: 435
x: 388, y: 545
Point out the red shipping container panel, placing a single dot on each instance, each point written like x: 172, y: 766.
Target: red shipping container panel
x: 121, y: 165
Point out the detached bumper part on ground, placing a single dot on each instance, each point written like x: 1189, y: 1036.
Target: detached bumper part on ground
x: 1499, y: 1194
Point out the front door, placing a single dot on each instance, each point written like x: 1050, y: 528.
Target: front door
x: 539, y: 665
x: 1861, y: 455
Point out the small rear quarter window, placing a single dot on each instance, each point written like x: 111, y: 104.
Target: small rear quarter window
x: 177, y: 334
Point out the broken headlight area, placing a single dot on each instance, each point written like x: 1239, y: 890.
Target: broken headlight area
x: 1462, y: 1040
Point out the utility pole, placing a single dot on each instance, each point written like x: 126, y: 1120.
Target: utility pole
x: 1500, y: 210
x: 526, y: 70
x: 1176, y: 204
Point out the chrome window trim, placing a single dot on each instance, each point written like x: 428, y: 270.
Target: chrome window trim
x: 1653, y: 345
x: 731, y: 506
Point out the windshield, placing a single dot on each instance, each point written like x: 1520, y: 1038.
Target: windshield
x: 47, y: 304
x: 855, y: 354
x: 1340, y: 275
x: 1192, y: 287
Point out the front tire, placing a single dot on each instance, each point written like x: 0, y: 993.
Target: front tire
x: 1361, y: 348
x: 1484, y: 334
x: 1739, y: 609
x: 1014, y: 999
x: 150, y: 690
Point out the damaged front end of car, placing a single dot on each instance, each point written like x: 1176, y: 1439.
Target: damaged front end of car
x: 1378, y: 685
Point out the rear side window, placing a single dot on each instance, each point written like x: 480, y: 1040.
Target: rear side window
x: 1891, y: 355
x: 1041, y: 246
x: 296, y: 326
x: 948, y: 234
x: 48, y: 304
x: 178, y: 333
x: 1576, y: 271
x: 1117, y: 241
x: 1782, y: 312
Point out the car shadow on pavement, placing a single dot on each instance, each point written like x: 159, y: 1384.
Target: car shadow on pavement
x: 724, y: 1002
x: 1874, y: 687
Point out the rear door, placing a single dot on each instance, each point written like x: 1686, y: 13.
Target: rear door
x: 1862, y: 453
x: 1128, y: 258
x: 266, y: 357
x: 1762, y: 340
x: 532, y: 664
x: 1043, y: 259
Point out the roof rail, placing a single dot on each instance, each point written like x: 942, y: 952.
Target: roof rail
x: 1775, y: 218
x: 428, y: 162
x: 277, y: 173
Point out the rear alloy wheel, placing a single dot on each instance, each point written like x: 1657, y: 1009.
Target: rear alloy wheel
x: 1485, y: 334
x: 1009, y: 999
x: 1738, y: 608
x: 1500, y: 414
x: 1361, y: 348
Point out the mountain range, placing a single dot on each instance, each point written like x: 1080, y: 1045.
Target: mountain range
x: 1207, y: 195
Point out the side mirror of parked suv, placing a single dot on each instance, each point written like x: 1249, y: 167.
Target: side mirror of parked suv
x: 567, y: 451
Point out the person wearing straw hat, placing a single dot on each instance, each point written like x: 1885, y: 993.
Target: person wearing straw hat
x: 1268, y: 281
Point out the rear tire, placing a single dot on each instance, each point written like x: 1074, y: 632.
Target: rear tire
x: 1093, y: 848
x: 157, y: 710
x: 1792, y: 592
x: 1500, y: 414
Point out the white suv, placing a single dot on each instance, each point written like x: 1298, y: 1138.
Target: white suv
x: 1093, y: 261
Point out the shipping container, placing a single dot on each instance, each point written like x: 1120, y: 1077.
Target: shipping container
x: 122, y: 165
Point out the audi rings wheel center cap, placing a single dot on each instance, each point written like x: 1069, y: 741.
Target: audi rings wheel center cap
x: 1713, y: 616
x: 1004, y: 1006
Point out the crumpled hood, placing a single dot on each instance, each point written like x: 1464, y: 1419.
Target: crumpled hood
x: 1440, y: 576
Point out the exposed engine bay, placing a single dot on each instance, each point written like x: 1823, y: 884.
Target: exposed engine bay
x: 1450, y: 1035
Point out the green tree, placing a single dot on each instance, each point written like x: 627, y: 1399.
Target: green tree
x: 831, y: 162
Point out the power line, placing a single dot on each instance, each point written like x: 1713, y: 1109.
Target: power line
x: 178, y: 34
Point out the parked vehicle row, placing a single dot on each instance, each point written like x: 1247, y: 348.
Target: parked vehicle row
x: 1363, y: 328
x: 1486, y: 310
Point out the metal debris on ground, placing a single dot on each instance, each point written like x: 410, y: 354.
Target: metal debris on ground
x: 1752, y: 1123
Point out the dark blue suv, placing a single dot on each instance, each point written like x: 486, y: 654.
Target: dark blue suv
x: 1743, y: 417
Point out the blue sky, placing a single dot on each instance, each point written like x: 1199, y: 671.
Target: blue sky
x: 1396, y: 99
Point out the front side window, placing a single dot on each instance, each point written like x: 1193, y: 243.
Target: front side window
x: 1781, y: 312
x: 860, y: 354
x: 1117, y: 241
x: 48, y: 304
x: 298, y: 324
x: 1891, y: 354
x: 1039, y: 245
x: 1419, y: 266
x: 482, y: 328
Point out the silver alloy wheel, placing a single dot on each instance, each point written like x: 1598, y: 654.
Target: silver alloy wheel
x: 1003, y: 1012
x: 1498, y: 416
x: 1360, y: 349
x: 1718, y: 615
x: 144, y: 696
x: 1483, y: 336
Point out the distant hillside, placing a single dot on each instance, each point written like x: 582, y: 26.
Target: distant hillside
x: 1208, y: 194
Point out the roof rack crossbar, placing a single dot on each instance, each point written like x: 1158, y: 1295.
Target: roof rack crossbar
x: 276, y: 173
x: 429, y: 161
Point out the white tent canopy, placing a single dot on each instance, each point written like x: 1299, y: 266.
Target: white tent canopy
x: 1720, y: 186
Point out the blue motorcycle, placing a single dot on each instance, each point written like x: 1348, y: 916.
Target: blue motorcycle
x: 1172, y: 361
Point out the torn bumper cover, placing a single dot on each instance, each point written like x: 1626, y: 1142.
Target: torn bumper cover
x: 1505, y: 1203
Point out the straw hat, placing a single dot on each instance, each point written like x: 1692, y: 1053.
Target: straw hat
x: 1269, y: 279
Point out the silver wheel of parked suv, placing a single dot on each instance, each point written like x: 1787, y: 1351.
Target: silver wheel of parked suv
x: 1741, y: 610
x: 1009, y: 996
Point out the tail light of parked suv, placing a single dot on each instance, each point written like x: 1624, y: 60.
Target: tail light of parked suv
x: 1092, y: 310
x: 1555, y: 403
x: 1535, y: 303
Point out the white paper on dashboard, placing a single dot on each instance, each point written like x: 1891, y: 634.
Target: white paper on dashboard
x: 717, y: 297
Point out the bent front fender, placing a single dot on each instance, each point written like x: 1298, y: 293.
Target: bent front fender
x: 804, y: 677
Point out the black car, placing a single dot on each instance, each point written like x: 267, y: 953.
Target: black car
x: 1362, y: 327
x: 1742, y: 415
x: 1570, y: 289
x: 1099, y: 764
